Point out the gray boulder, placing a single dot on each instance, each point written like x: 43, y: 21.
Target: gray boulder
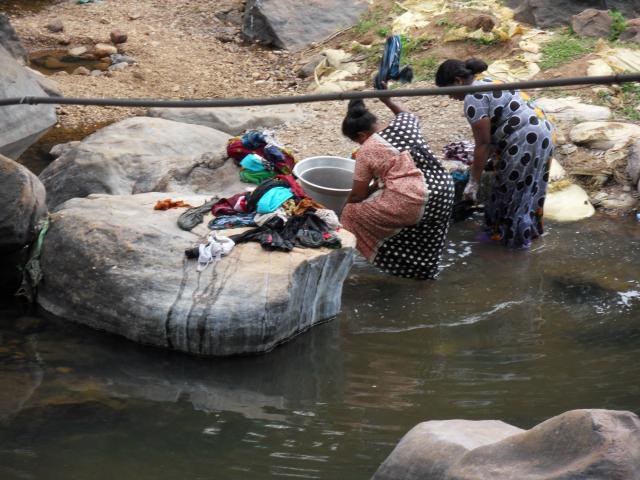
x: 295, y: 24
x: 592, y: 23
x: 233, y: 121
x: 553, y: 13
x: 21, y: 125
x: 580, y: 444
x: 115, y: 264
x: 138, y: 155
x: 633, y: 162
x: 23, y: 201
x: 632, y: 31
x: 10, y: 41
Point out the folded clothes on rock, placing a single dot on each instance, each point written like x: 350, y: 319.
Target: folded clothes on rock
x: 272, y: 199
x: 254, y: 162
x: 460, y: 151
x: 215, y: 248
x: 227, y: 206
x: 195, y: 215
x: 168, y: 204
x: 232, y: 221
x: 247, y: 176
x: 306, y: 230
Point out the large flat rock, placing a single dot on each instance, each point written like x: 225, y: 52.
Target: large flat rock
x: 295, y: 24
x: 580, y: 444
x: 233, y: 121
x: 21, y: 125
x: 10, y: 41
x: 115, y: 264
x: 553, y: 13
x: 142, y: 154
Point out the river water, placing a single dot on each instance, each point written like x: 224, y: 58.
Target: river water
x: 516, y: 336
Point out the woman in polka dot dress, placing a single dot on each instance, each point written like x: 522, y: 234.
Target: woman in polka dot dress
x: 402, y: 227
x: 509, y: 126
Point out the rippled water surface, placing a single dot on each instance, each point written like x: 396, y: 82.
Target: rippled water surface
x: 516, y: 336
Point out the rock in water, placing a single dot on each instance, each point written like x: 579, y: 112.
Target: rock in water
x: 115, y: 264
x: 21, y: 125
x: 233, y: 121
x: 140, y: 154
x: 580, y: 444
x: 295, y: 24
x: 23, y: 206
x: 10, y: 41
x: 23, y: 201
x: 553, y: 13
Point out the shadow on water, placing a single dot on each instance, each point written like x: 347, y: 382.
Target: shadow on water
x: 517, y: 336
x: 49, y: 62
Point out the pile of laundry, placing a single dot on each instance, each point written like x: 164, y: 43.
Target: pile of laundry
x: 260, y: 156
x: 281, y: 215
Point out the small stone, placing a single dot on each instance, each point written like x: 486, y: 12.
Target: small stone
x: 55, y: 26
x: 61, y: 73
x: 97, y: 73
x: 81, y: 71
x: 138, y: 75
x: 102, y: 50
x: 226, y: 34
x: 175, y: 88
x: 118, y: 67
x: 135, y: 15
x: 119, y: 58
x: 77, y: 51
x: 64, y: 41
x: 104, y: 21
x: 118, y: 36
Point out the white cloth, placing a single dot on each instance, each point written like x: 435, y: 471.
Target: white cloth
x: 215, y: 248
x: 262, y: 218
x: 471, y: 190
x: 329, y: 217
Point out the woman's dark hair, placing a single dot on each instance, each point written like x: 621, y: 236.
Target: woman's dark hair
x: 449, y: 70
x: 358, y: 119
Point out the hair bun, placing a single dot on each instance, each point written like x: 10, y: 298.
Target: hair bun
x: 475, y: 65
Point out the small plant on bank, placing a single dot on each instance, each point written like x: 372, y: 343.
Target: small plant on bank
x: 618, y: 26
x: 563, y: 49
x: 383, y: 32
x: 426, y: 68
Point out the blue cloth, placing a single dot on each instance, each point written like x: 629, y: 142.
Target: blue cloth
x: 253, y: 140
x: 390, y: 64
x: 232, y: 221
x: 272, y: 200
x: 253, y: 162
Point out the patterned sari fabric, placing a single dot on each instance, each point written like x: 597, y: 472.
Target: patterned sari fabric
x: 402, y: 231
x: 523, y: 139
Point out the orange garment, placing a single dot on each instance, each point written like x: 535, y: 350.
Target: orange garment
x: 167, y: 204
x: 305, y: 204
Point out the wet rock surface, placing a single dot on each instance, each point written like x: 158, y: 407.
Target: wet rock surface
x: 140, y: 154
x: 115, y: 264
x: 576, y: 444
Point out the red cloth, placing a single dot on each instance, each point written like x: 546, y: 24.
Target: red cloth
x: 295, y: 187
x: 225, y: 205
x: 237, y: 151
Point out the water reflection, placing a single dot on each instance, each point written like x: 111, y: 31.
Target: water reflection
x: 518, y: 336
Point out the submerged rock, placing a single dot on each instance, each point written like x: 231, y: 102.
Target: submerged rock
x: 233, y: 121
x: 138, y: 155
x: 295, y: 24
x: 115, y: 264
x: 21, y: 125
x: 577, y: 444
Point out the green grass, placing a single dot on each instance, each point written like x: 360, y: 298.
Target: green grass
x: 410, y: 45
x: 618, y: 26
x: 630, y: 96
x: 426, y: 68
x: 369, y: 21
x: 383, y: 32
x: 563, y: 49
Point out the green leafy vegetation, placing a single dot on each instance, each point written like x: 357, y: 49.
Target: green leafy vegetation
x: 618, y: 26
x: 630, y: 100
x: 426, y: 68
x: 369, y: 21
x: 384, y: 32
x: 563, y: 49
x: 411, y: 45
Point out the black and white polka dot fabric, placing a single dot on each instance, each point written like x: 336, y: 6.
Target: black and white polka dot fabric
x: 415, y: 251
x: 523, y: 140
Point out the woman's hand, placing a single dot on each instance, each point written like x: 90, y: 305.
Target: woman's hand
x: 471, y: 190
